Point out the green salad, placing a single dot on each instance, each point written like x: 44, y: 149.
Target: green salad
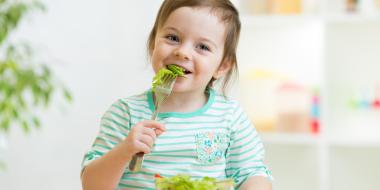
x: 172, y: 70
x: 184, y: 182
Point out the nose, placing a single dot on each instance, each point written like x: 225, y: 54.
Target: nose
x: 183, y: 52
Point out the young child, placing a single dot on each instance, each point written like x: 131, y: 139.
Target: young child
x: 198, y: 132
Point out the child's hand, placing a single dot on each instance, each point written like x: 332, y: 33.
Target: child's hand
x: 142, y: 136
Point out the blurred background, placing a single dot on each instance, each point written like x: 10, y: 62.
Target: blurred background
x: 309, y: 80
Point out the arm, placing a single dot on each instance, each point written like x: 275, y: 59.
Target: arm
x: 105, y: 172
x: 245, y: 156
x: 256, y: 183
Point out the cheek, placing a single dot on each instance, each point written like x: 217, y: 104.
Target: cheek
x: 210, y: 64
x: 160, y: 52
x: 157, y: 58
x: 205, y: 71
x: 154, y: 62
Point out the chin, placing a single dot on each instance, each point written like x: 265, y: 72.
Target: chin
x: 180, y: 89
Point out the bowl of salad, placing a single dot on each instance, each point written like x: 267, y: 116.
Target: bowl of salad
x: 184, y: 182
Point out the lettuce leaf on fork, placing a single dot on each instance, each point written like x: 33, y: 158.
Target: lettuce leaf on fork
x: 179, y: 71
x: 172, y: 70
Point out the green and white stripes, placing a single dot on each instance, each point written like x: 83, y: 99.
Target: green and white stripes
x: 176, y: 151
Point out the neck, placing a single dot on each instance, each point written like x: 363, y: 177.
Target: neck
x: 184, y: 102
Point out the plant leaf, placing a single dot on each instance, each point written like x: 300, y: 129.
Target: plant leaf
x: 36, y: 122
x: 25, y: 126
x: 67, y: 95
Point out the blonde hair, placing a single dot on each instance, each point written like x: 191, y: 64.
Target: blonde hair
x: 226, y: 12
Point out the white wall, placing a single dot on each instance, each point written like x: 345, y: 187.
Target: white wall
x: 97, y: 48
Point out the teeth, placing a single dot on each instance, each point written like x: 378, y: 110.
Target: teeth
x: 186, y: 71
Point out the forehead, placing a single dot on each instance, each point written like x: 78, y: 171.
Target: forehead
x: 202, y: 21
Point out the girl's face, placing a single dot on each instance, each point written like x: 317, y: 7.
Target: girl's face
x: 192, y: 38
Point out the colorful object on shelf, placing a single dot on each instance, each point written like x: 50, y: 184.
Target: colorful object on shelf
x: 275, y: 103
x: 315, y: 105
x: 285, y: 6
x: 278, y: 7
x: 377, y: 2
x: 258, y: 96
x: 351, y: 6
x: 293, y: 108
x: 255, y: 7
x: 315, y: 126
x: 376, y: 101
x: 367, y: 100
x: 365, y: 104
x: 352, y: 103
x: 315, y: 113
x: 376, y: 104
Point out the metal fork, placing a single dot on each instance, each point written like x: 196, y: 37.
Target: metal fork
x: 162, y: 91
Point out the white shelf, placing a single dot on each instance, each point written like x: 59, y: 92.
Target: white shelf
x: 283, y: 20
x: 314, y: 140
x: 277, y: 20
x: 351, y: 18
x: 338, y: 51
x: 354, y: 142
x: 290, y: 138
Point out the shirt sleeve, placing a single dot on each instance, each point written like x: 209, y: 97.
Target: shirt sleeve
x: 114, y: 127
x: 245, y: 155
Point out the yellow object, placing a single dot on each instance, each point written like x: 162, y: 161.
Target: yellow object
x: 264, y: 125
x: 263, y: 74
x: 377, y: 2
x: 256, y: 6
x: 285, y: 6
x: 273, y: 102
x: 258, y: 96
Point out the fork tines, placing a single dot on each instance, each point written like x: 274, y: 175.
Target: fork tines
x: 167, y: 80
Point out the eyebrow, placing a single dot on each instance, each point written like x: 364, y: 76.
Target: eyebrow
x: 202, y: 38
x: 170, y: 28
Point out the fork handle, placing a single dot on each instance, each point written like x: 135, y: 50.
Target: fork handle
x: 137, y: 159
x: 136, y: 162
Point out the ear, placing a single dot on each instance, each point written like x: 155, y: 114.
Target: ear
x: 224, y: 67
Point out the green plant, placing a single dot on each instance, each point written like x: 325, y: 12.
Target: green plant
x: 25, y: 83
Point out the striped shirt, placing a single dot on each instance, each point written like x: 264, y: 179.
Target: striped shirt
x: 217, y: 140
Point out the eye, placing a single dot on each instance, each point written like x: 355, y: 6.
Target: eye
x: 172, y: 37
x: 203, y: 47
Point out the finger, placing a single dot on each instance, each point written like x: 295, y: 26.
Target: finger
x: 142, y: 147
x: 158, y: 132
x: 147, y: 140
x: 149, y: 131
x: 140, y: 128
x: 154, y: 125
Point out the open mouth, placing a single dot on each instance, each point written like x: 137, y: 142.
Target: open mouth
x: 185, y: 71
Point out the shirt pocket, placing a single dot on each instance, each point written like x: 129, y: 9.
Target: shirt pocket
x: 210, y: 146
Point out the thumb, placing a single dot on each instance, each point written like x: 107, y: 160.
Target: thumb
x: 159, y: 132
